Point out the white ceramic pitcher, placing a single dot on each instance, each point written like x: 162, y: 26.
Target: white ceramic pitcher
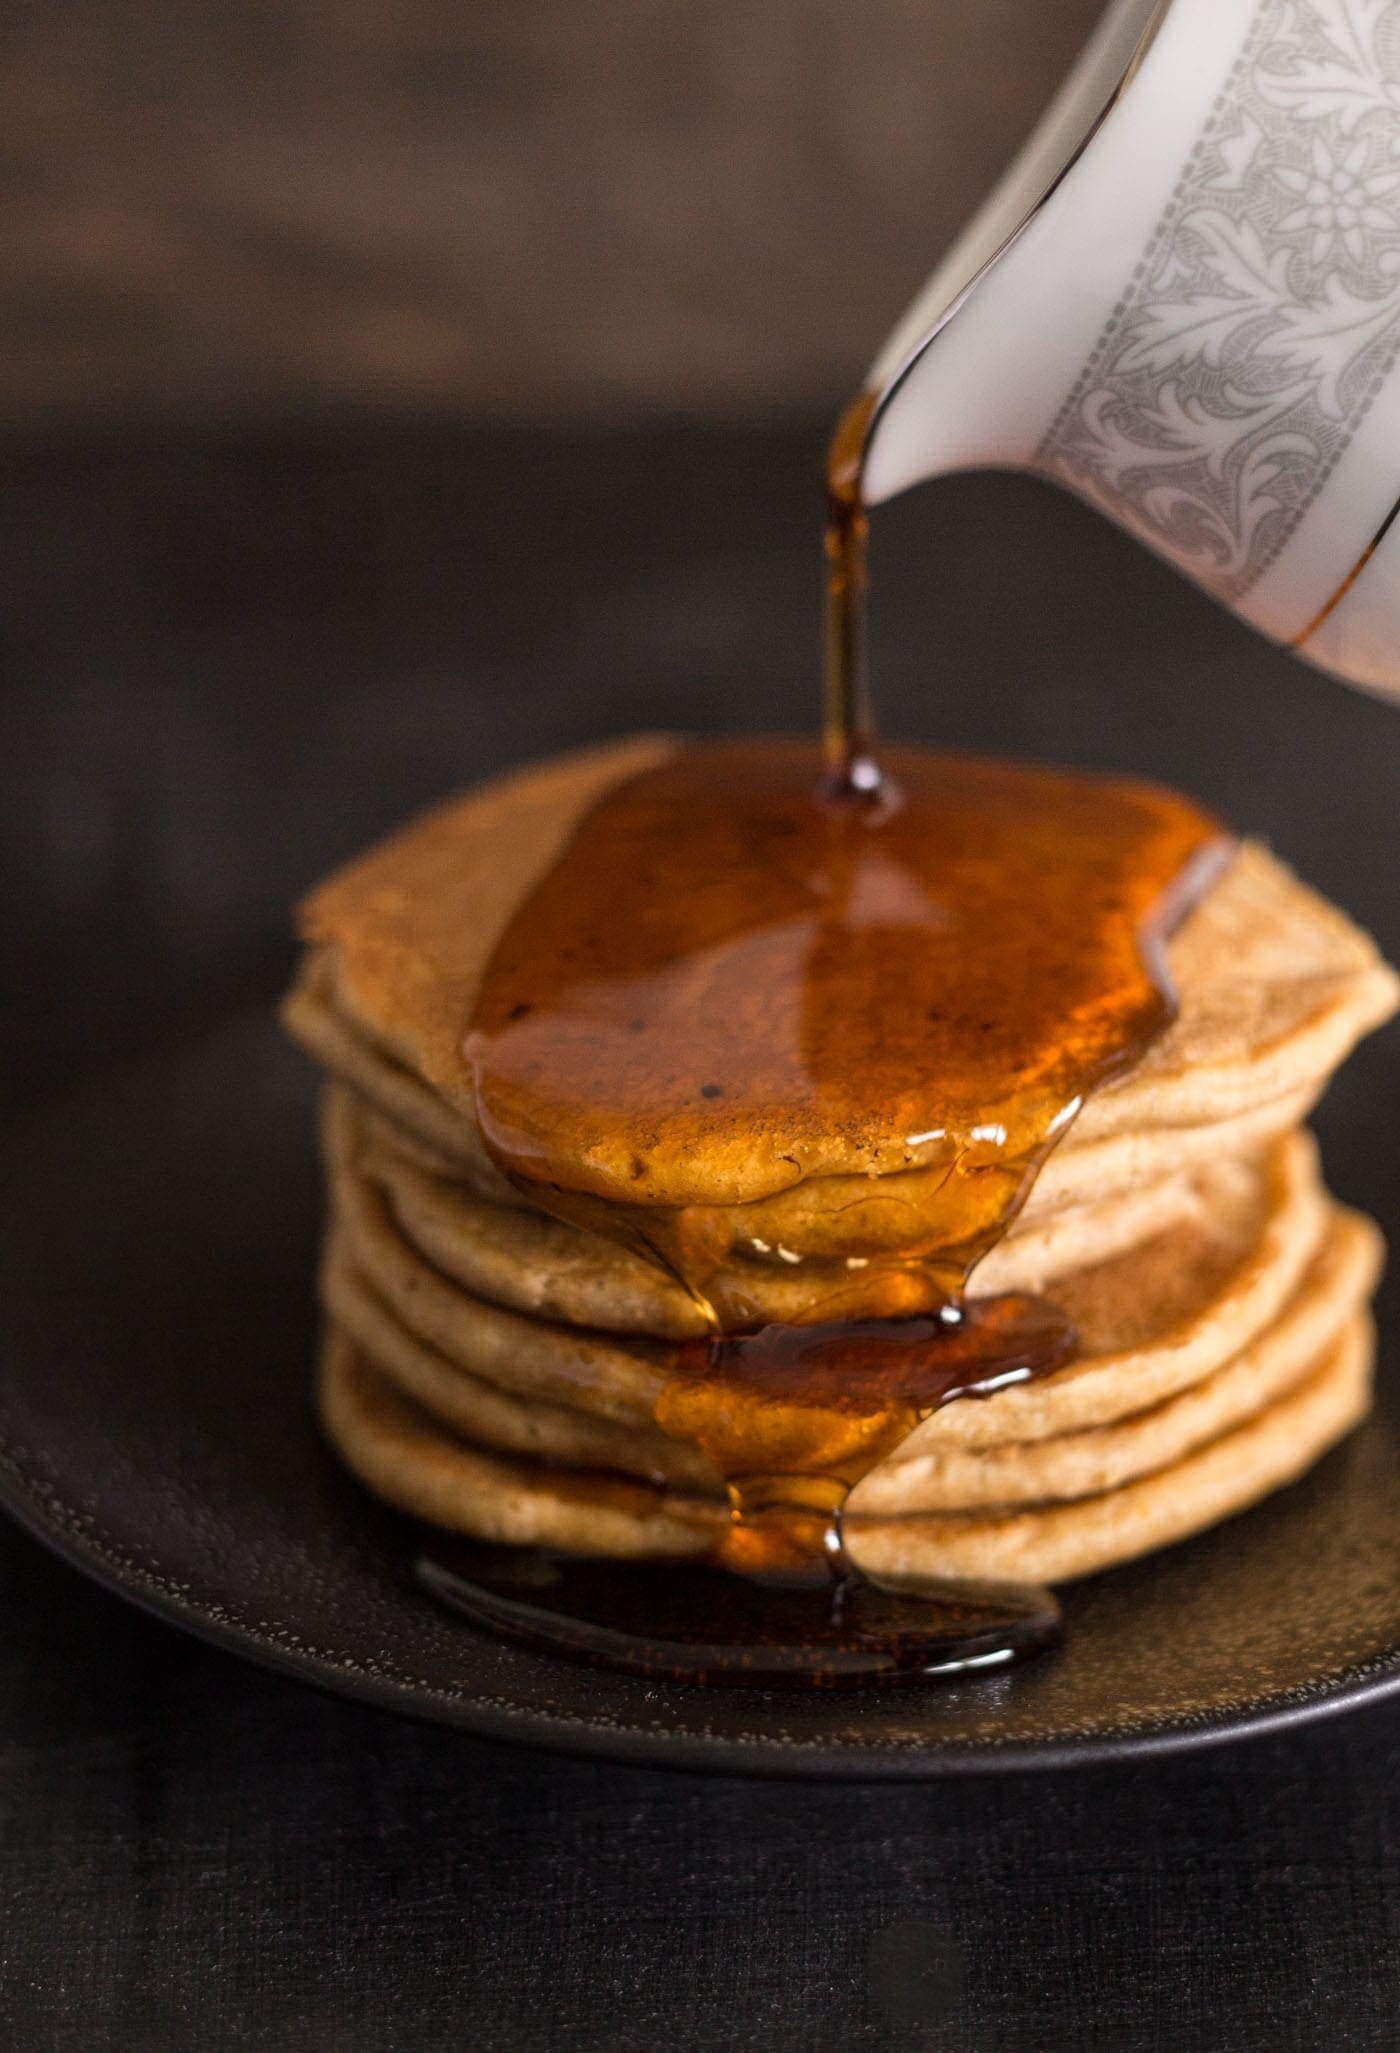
x: 1183, y: 302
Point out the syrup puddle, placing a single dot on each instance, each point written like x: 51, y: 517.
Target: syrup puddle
x: 676, y: 1622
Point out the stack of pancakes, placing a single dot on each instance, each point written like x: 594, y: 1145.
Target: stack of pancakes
x: 496, y: 1370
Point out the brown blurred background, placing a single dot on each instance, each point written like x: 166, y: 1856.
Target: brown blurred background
x: 500, y: 209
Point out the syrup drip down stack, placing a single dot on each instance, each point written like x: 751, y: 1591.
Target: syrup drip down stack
x: 506, y: 1338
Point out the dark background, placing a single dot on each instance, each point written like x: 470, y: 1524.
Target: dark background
x: 264, y: 588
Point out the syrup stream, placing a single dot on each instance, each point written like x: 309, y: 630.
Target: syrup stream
x: 848, y: 714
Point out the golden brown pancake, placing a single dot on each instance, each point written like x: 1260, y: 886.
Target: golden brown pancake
x: 526, y: 1261
x: 497, y: 1370
x: 814, y: 1220
x: 924, y: 1473
x: 1082, y: 1463
x: 1152, y: 1319
x: 1274, y: 987
x: 407, y: 1458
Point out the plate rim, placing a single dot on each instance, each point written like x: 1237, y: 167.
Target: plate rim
x: 634, y: 1746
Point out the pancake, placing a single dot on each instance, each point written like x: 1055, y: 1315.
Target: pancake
x: 1332, y: 1292
x: 812, y: 1221
x: 922, y: 1474
x: 520, y: 1258
x: 1061, y: 1542
x: 512, y: 1421
x: 512, y: 1255
x: 1274, y: 986
x: 408, y: 1459
x: 1152, y: 1321
x: 496, y: 1370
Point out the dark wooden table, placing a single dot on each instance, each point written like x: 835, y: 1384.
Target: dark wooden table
x: 230, y: 659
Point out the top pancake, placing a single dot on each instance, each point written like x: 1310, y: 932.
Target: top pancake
x: 1274, y: 988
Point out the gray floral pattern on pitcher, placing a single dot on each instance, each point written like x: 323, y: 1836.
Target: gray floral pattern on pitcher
x: 1264, y: 314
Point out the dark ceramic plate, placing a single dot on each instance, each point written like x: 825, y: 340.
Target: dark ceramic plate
x: 157, y: 1243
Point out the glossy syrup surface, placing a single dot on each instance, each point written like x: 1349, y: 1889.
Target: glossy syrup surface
x: 695, y: 1624
x: 794, y: 1416
x: 779, y: 1010
x: 734, y: 1003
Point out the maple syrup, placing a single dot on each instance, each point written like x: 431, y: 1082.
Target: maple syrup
x: 697, y: 1624
x: 872, y: 997
x: 848, y: 727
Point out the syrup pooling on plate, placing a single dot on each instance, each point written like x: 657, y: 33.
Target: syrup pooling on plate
x: 700, y: 1625
x: 732, y: 981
